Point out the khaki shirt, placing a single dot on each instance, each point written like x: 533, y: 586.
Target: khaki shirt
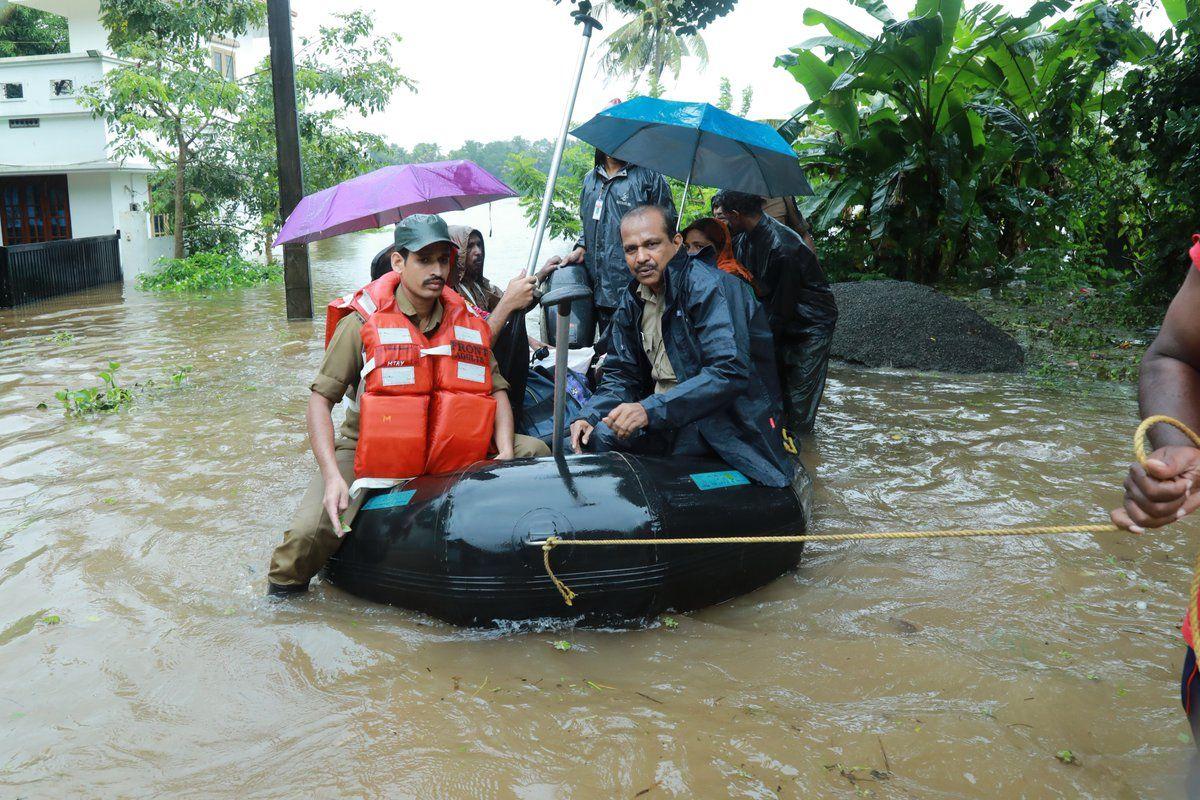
x: 652, y: 341
x: 343, y: 362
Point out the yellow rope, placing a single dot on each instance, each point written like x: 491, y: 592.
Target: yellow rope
x: 1139, y: 451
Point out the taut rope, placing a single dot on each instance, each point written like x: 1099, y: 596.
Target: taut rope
x: 1139, y: 452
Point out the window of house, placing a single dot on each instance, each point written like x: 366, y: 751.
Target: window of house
x: 14, y: 91
x: 62, y: 88
x: 160, y: 225
x: 34, y: 209
x: 25, y: 122
x: 223, y: 62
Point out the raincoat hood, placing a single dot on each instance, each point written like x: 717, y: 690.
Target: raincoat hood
x: 478, y: 290
x: 460, y: 235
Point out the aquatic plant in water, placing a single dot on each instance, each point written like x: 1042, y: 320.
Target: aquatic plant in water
x: 207, y: 271
x: 97, y: 399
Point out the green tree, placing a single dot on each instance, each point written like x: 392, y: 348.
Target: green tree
x: 345, y: 67
x: 654, y: 40
x: 1157, y: 131
x: 691, y: 15
x: 932, y: 138
x: 211, y: 138
x: 164, y: 95
x: 26, y: 31
x: 165, y: 100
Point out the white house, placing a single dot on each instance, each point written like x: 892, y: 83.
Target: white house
x: 58, y: 177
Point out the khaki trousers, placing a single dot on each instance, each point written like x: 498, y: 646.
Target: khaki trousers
x: 310, y: 541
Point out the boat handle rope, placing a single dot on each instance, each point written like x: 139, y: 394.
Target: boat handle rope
x: 1139, y: 451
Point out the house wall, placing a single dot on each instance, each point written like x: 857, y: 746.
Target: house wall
x: 127, y: 190
x: 92, y: 212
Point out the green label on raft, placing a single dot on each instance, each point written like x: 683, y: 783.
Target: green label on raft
x: 390, y: 500
x: 719, y: 480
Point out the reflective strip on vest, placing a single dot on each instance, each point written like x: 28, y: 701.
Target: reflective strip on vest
x: 395, y: 335
x: 399, y: 376
x: 467, y: 335
x: 471, y: 372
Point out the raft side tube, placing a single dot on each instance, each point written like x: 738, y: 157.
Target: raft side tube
x: 457, y: 547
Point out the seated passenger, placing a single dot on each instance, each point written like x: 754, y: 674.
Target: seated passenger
x: 691, y: 367
x: 428, y: 399
x: 711, y: 232
x: 503, y: 312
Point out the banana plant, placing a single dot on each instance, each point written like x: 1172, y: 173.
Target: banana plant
x: 927, y: 132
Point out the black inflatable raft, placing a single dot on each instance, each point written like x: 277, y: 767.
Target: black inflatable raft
x: 463, y: 547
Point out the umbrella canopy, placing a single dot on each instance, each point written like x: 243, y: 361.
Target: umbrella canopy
x: 389, y: 194
x: 700, y: 141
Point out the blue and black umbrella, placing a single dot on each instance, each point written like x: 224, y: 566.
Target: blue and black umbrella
x: 698, y: 143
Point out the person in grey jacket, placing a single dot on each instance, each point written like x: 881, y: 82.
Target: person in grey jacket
x: 691, y: 370
x: 611, y: 189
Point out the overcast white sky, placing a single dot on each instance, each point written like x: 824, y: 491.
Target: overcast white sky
x: 494, y: 69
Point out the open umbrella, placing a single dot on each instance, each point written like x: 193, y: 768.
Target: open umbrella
x: 698, y: 143
x: 389, y: 194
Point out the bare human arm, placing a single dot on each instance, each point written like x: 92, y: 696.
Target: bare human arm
x: 505, y: 427
x: 319, y: 416
x: 1168, y: 488
x: 517, y: 296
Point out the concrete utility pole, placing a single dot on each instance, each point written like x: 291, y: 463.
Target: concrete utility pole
x: 296, y: 280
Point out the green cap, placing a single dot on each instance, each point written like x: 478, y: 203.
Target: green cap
x: 421, y: 230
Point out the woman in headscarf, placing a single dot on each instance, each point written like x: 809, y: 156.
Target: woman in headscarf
x: 712, y: 232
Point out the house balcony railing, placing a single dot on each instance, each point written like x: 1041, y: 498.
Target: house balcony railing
x: 31, y: 272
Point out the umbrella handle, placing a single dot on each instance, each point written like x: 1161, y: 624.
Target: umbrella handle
x: 589, y: 24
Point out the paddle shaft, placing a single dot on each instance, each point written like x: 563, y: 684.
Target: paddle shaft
x: 535, y: 250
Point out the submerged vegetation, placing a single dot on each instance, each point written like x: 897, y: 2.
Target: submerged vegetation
x: 207, y: 272
x: 110, y: 396
x: 103, y: 399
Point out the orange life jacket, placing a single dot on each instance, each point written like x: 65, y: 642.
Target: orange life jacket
x: 425, y: 403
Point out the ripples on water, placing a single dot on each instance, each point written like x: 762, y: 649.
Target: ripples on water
x: 971, y: 663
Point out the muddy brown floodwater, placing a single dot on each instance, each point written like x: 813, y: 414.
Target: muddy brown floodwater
x: 139, y: 658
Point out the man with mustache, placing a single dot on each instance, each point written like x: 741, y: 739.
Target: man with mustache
x: 423, y: 258
x: 691, y: 370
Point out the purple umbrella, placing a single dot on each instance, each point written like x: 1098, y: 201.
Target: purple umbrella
x: 389, y: 194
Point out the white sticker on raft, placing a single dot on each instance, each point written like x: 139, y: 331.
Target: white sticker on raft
x: 398, y: 376
x: 395, y: 336
x: 471, y: 372
x: 467, y: 335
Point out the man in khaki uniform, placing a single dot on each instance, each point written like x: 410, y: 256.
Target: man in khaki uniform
x: 423, y: 258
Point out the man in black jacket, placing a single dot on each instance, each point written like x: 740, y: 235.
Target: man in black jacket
x: 690, y: 370
x: 609, y: 191
x: 799, y: 303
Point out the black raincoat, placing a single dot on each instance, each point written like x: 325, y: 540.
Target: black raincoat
x: 604, y: 258
x: 801, y: 310
x: 716, y: 337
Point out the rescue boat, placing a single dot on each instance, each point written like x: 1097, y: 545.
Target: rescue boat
x: 465, y: 547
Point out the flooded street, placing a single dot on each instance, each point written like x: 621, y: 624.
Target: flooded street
x: 140, y: 658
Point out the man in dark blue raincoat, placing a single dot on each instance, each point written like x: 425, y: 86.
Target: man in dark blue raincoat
x: 609, y: 191
x: 690, y: 368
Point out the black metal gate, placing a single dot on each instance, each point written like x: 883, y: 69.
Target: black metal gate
x: 30, y: 272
